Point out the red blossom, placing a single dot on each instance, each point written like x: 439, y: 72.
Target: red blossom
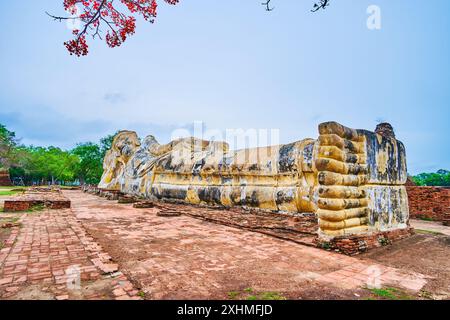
x: 96, y: 15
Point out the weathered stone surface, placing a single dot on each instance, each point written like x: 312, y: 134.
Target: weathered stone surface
x: 385, y: 129
x: 353, y: 180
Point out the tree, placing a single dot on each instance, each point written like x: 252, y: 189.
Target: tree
x: 440, y: 178
x: 89, y: 169
x: 8, y: 143
x: 95, y: 15
x: 40, y: 165
x: 106, y: 143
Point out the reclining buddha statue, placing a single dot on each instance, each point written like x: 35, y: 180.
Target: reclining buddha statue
x: 353, y: 180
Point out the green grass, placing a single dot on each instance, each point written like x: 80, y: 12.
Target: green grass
x: 389, y: 294
x: 249, y: 294
x: 233, y: 294
x: 8, y: 192
x: 11, y: 188
x: 36, y: 208
x: 9, y: 220
x: 271, y: 296
x: 421, y: 231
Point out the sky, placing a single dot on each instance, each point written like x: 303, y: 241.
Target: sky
x: 231, y: 64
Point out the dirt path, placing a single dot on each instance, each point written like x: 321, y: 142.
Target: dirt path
x: 185, y: 258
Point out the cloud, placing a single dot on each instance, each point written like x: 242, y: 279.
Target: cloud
x: 45, y: 126
x: 115, y: 98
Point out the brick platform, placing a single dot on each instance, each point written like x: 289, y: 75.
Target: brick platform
x: 429, y: 203
x: 49, y: 255
x: 352, y: 245
x: 47, y: 197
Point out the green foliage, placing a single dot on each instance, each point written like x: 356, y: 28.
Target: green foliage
x: 8, y: 192
x: 39, y: 164
x: 89, y: 168
x: 233, y: 295
x: 421, y: 231
x: 439, y: 178
x: 271, y: 296
x: 44, y: 165
x: 249, y: 294
x: 106, y: 143
x: 390, y: 294
x: 8, y: 144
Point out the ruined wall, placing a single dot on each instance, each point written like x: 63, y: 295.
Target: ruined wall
x: 4, y: 178
x: 429, y: 202
x: 352, y: 179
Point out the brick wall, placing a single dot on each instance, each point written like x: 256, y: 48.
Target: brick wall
x: 352, y: 245
x: 429, y: 202
x: 4, y: 178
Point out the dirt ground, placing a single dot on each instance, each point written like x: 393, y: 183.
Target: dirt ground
x: 426, y: 253
x: 186, y: 258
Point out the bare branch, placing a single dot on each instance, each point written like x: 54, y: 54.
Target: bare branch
x: 267, y: 5
x: 322, y: 4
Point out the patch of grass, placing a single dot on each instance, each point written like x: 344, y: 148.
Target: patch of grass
x: 325, y: 245
x: 384, y: 241
x: 390, y: 294
x: 426, y: 218
x: 141, y: 294
x: 249, y: 294
x: 384, y: 293
x: 421, y: 231
x: 9, y: 220
x: 426, y: 294
x: 233, y: 294
x: 271, y: 296
x: 8, y: 192
x: 38, y: 207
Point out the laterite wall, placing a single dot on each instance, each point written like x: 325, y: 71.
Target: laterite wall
x: 429, y: 202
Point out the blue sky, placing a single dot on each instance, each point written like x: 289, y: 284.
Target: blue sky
x: 231, y: 64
